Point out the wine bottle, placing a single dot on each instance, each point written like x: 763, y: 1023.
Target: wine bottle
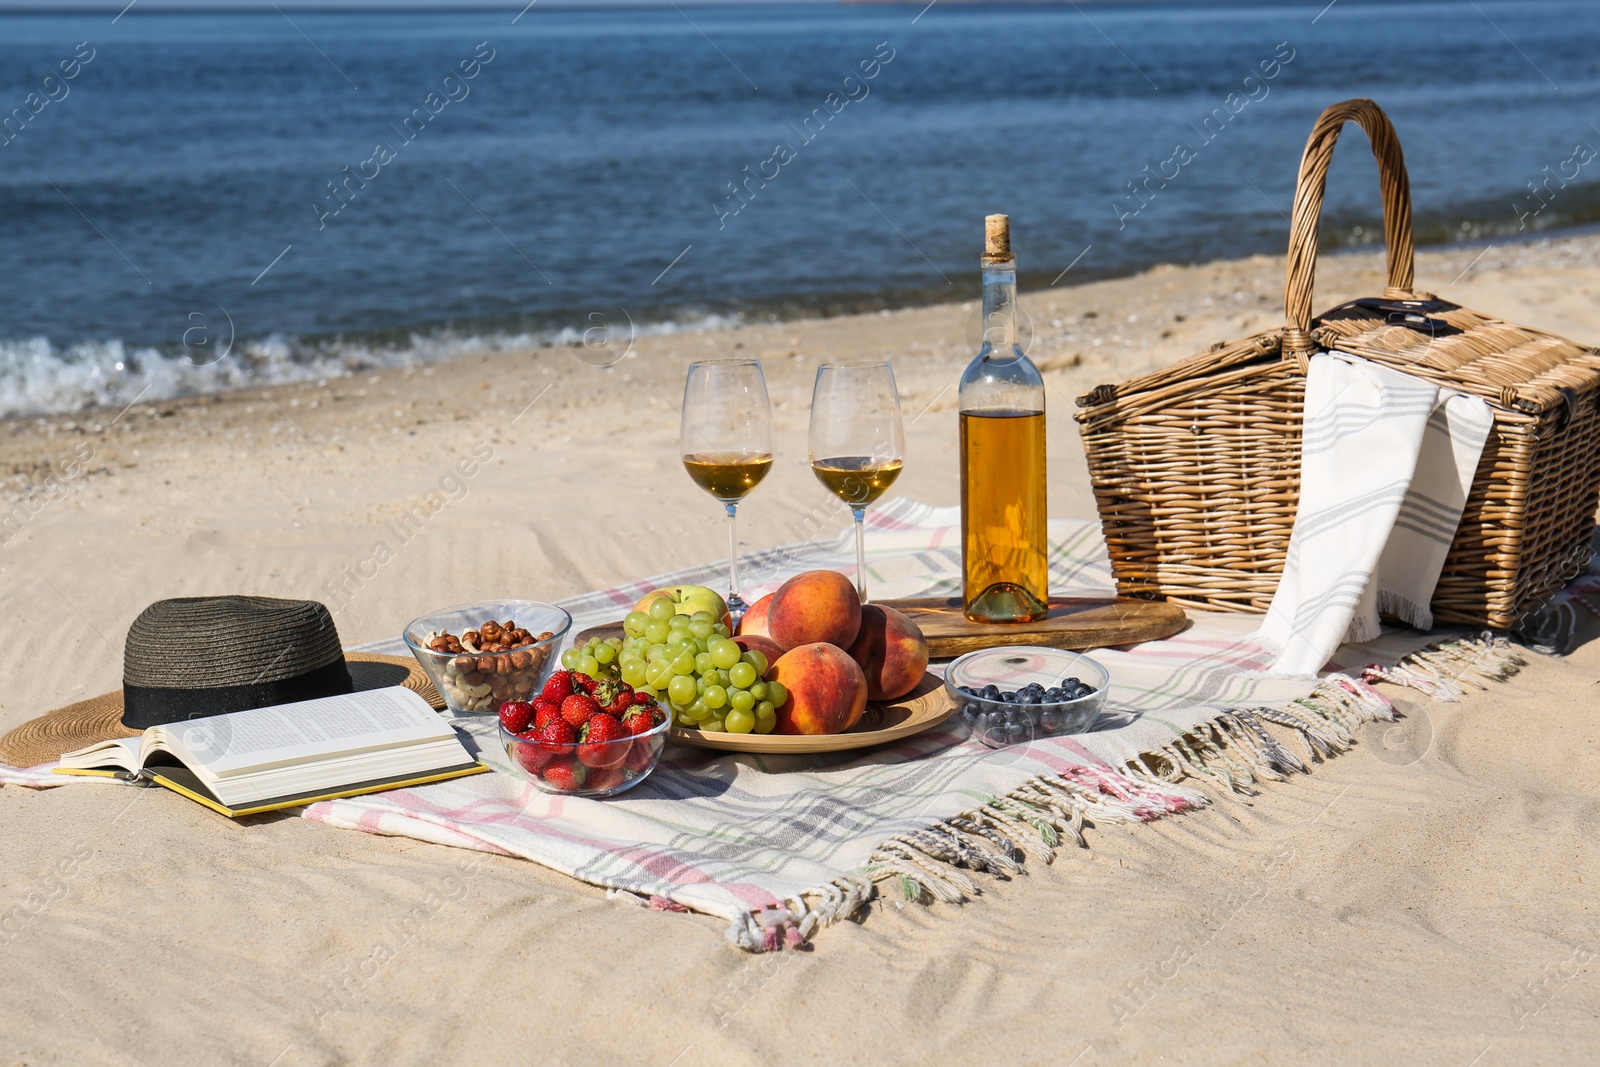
x: 1005, y: 561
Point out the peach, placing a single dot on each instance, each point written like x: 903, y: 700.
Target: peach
x: 814, y: 606
x: 892, y: 652
x: 754, y: 622
x: 764, y: 645
x: 827, y: 691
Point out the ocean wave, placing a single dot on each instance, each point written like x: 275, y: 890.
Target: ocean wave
x: 1515, y: 215
x: 39, y: 376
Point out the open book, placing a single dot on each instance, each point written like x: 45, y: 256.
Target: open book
x: 268, y: 758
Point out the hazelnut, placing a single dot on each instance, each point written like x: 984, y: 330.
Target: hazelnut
x: 490, y: 630
x: 520, y: 660
x: 463, y: 663
x: 472, y: 637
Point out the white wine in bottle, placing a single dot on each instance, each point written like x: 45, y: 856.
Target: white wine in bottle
x: 1005, y: 549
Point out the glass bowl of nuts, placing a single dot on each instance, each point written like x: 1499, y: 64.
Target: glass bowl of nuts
x: 481, y: 655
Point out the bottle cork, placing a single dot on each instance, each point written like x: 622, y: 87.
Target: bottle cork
x: 996, y: 238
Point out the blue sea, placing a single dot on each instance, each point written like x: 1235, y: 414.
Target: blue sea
x: 316, y: 193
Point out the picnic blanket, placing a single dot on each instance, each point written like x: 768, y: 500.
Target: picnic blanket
x: 780, y: 846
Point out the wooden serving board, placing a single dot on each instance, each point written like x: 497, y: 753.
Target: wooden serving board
x: 1071, y: 624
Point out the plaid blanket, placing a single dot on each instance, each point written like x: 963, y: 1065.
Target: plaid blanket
x: 780, y: 846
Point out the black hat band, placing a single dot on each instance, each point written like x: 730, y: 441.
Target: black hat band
x: 146, y: 706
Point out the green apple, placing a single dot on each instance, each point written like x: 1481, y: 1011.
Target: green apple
x: 686, y: 600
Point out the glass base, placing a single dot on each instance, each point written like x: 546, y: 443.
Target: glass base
x: 1006, y: 602
x: 736, y: 609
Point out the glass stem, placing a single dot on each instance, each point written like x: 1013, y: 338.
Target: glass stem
x: 861, y: 551
x: 734, y: 600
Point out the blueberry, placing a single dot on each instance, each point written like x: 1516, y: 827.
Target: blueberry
x: 990, y: 692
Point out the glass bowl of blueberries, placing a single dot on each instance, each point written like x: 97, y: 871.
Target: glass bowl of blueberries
x: 1018, y: 693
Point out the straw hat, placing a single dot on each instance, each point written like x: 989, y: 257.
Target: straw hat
x: 200, y: 656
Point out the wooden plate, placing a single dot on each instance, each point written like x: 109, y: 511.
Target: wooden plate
x: 923, y: 708
x: 1072, y: 624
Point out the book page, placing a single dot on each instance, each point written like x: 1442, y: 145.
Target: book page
x: 122, y: 752
x: 262, y: 738
x: 338, y: 772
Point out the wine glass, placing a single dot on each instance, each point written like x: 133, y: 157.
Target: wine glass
x: 857, y: 442
x: 725, y: 439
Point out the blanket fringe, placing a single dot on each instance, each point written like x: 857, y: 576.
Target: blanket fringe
x: 1233, y: 750
x: 1443, y: 671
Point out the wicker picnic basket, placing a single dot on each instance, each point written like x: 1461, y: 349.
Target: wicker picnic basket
x: 1196, y: 468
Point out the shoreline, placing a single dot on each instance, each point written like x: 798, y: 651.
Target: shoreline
x: 282, y: 361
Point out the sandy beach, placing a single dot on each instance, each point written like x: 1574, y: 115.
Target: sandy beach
x: 1428, y: 898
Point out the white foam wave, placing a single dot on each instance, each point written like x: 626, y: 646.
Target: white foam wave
x: 41, y: 377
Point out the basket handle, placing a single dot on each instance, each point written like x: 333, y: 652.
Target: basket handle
x: 1301, y: 273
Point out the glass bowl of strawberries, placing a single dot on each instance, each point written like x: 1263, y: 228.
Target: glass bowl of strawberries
x: 584, y: 737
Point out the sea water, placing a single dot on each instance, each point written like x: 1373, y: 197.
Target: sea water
x: 214, y: 200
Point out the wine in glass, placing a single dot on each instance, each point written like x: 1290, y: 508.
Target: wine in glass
x: 857, y: 442
x: 725, y: 439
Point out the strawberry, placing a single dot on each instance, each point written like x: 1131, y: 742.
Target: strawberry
x: 565, y: 774
x: 558, y: 688
x: 639, y: 721
x: 546, y: 712
x: 515, y: 714
x: 605, y: 779
x: 642, y: 753
x: 585, y: 683
x: 615, y: 698
x: 531, y: 756
x: 597, y: 745
x: 578, y: 708
x: 559, y: 737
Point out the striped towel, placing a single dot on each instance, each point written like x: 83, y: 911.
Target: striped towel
x: 1387, y: 461
x: 780, y: 846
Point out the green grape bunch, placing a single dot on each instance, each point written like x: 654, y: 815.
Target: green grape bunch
x: 690, y: 665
